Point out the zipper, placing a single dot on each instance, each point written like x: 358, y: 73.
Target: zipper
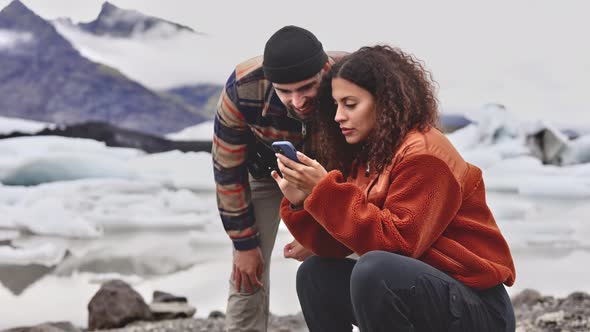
x: 449, y: 259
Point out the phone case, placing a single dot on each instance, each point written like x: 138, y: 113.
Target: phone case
x: 285, y: 148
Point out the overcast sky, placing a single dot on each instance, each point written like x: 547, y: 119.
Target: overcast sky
x: 532, y: 55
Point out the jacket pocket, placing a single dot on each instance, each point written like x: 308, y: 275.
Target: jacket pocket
x: 451, y: 261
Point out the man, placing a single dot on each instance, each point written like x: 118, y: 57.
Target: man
x: 265, y: 99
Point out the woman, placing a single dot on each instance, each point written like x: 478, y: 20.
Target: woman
x: 401, y: 197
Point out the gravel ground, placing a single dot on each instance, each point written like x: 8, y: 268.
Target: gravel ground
x: 534, y: 313
x: 292, y: 323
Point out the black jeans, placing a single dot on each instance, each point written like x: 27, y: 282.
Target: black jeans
x: 383, y: 291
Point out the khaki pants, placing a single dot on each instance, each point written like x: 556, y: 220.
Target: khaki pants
x: 249, y: 312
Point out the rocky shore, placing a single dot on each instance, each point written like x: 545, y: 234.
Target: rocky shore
x: 537, y: 313
x: 116, y: 307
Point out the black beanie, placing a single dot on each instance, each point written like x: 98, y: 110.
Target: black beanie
x: 291, y: 55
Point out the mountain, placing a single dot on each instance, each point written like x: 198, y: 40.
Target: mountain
x: 44, y: 78
x: 203, y: 97
x: 161, y: 58
x: 116, y: 22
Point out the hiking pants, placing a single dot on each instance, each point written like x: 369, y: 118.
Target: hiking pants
x: 383, y: 291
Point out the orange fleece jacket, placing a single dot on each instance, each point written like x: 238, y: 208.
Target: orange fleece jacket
x: 427, y: 204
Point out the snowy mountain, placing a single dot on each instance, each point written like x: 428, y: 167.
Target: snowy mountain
x: 152, y: 51
x: 116, y: 22
x: 202, y: 96
x: 44, y: 78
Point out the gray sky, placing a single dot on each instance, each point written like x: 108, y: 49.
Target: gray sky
x: 531, y: 55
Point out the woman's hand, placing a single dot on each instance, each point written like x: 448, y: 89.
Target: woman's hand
x: 291, y: 193
x: 305, y: 175
x: 296, y: 251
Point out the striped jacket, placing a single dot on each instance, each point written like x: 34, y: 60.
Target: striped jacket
x: 248, y: 111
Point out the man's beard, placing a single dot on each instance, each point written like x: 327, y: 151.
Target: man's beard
x: 310, y: 107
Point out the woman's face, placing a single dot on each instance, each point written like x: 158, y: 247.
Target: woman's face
x: 355, y: 110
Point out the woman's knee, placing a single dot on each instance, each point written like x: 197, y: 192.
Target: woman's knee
x: 304, y: 271
x: 377, y: 269
x: 319, y: 273
x: 366, y: 272
x: 313, y: 269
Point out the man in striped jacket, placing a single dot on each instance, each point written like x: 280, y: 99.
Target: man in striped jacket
x: 265, y: 99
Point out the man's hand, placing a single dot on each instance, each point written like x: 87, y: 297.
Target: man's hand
x: 247, y: 269
x: 303, y: 176
x: 296, y: 251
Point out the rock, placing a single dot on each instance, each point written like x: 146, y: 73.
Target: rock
x: 216, y: 314
x: 577, y: 303
x: 175, y: 325
x: 551, y: 319
x: 115, y: 305
x: 115, y: 136
x: 526, y: 297
x: 159, y: 296
x: 287, y: 323
x: 171, y: 310
x: 536, y: 313
x: 47, y: 327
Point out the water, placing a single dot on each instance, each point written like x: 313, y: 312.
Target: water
x: 548, y: 239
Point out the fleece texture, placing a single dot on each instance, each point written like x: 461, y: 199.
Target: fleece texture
x: 427, y: 204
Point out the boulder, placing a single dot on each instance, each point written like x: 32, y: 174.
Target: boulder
x: 115, y: 305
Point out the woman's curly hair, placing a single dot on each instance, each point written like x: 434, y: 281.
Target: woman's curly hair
x: 405, y: 100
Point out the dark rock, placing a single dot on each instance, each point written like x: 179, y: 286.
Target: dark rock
x: 44, y: 78
x: 118, y: 137
x: 452, y: 122
x: 216, y: 314
x: 115, y: 305
x: 47, y: 327
x: 171, y: 310
x: 159, y: 296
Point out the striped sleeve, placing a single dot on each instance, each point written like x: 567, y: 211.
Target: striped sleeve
x: 229, y: 153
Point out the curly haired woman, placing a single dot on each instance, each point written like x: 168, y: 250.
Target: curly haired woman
x: 399, y: 195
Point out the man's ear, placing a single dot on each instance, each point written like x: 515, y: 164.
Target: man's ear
x: 326, y: 68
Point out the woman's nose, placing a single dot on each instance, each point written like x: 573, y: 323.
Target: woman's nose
x: 339, y: 117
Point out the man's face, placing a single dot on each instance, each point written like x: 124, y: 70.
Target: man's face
x: 300, y: 97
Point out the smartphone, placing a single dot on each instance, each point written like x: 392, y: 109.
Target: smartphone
x: 286, y: 148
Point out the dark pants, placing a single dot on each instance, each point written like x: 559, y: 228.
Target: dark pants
x: 383, y: 291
